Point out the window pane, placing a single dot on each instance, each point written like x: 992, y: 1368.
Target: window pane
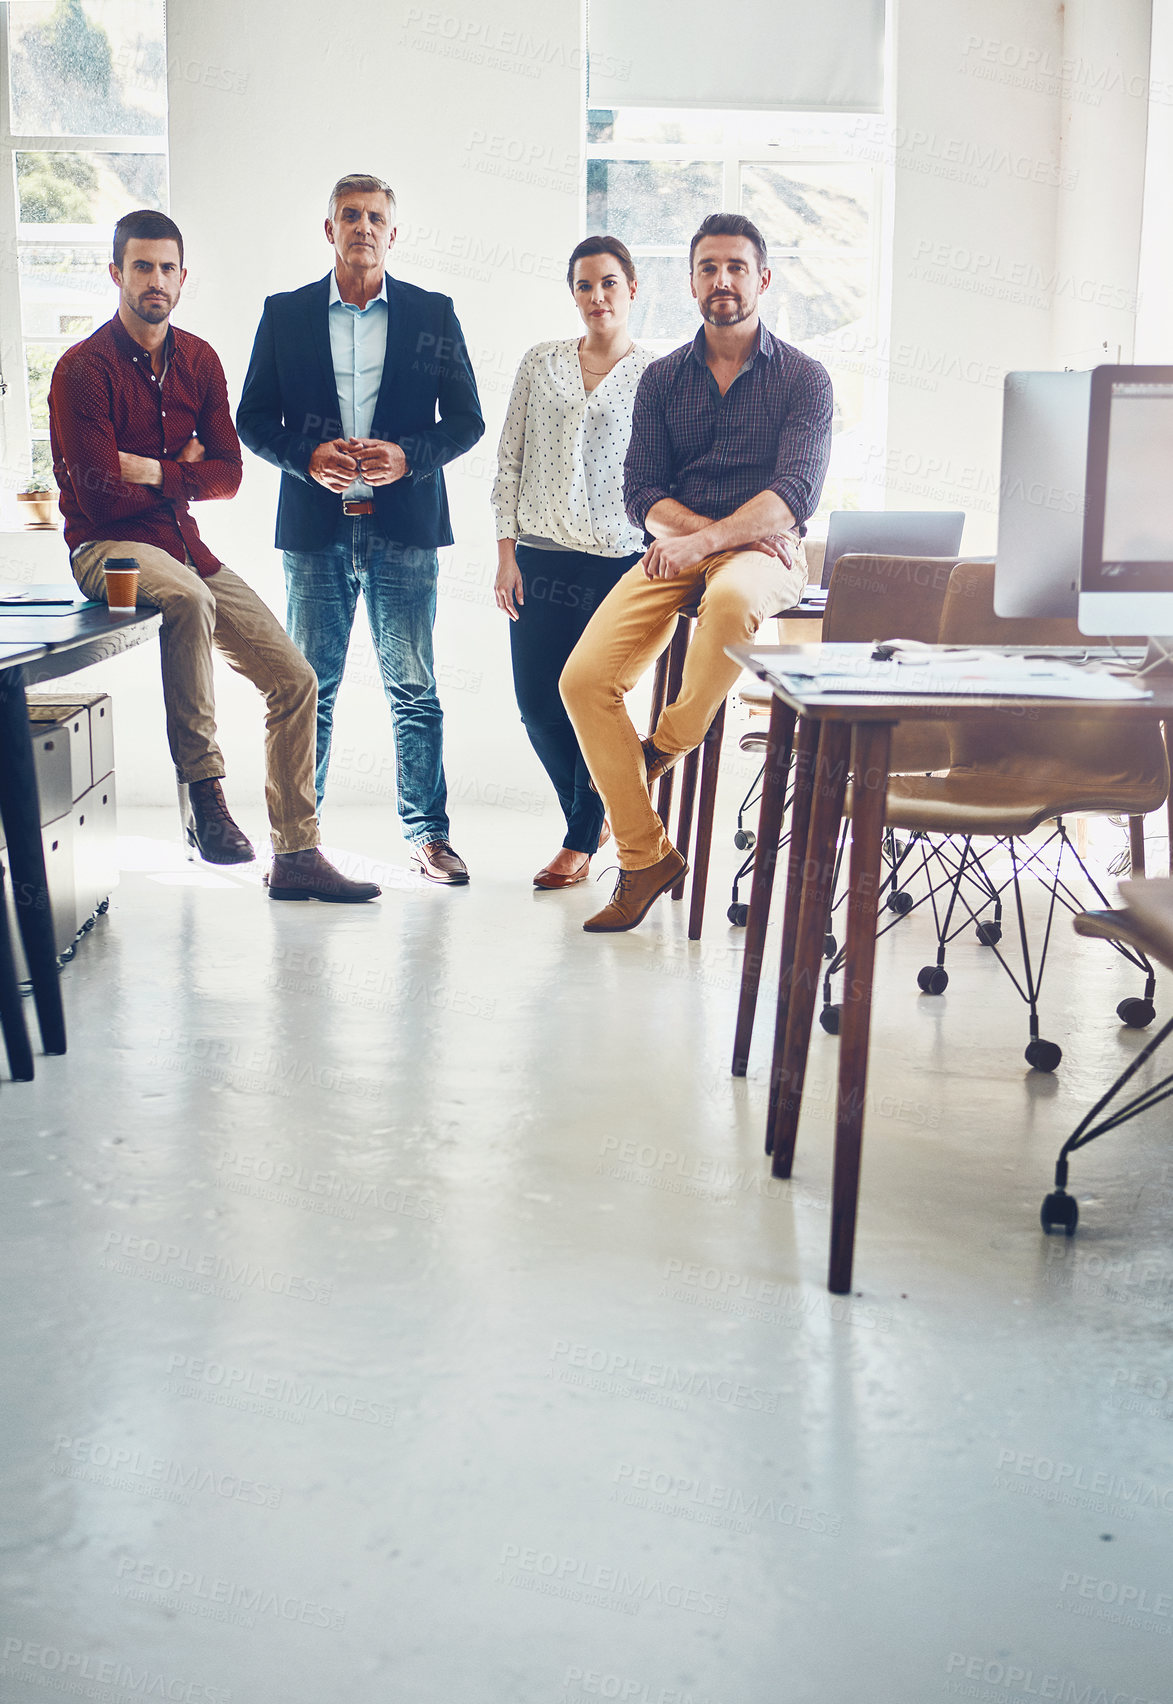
x: 41, y: 362
x: 651, y: 201
x: 810, y: 298
x: 64, y: 292
x: 653, y: 124
x: 663, y: 306
x: 88, y: 189
x: 88, y: 68
x: 797, y: 206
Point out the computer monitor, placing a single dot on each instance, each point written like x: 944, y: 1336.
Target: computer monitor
x: 1041, y: 493
x: 1126, y: 582
x: 891, y: 532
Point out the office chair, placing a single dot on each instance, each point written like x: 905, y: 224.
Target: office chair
x: 1145, y: 923
x: 1005, y: 779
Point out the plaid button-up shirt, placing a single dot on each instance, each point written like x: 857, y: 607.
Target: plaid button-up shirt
x: 104, y: 397
x: 771, y: 431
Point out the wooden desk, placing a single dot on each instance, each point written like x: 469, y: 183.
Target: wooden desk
x: 39, y: 644
x: 840, y: 735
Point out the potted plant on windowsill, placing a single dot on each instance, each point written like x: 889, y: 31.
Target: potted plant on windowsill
x: 38, y: 501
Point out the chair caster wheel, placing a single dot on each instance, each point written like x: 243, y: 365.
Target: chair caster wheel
x: 900, y: 903
x: 829, y: 1019
x: 738, y: 915
x: 830, y: 946
x: 988, y: 934
x: 1043, y: 1055
x: 1059, y: 1209
x: 88, y: 925
x: 103, y: 907
x: 744, y: 839
x: 933, y: 979
x: 68, y: 955
x: 1137, y: 1014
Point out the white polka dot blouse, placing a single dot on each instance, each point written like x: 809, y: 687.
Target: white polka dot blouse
x: 560, y: 459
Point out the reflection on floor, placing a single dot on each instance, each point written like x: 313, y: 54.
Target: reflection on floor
x: 400, y: 1311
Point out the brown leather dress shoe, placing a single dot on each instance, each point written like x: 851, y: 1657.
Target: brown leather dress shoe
x: 636, y: 892
x: 656, y: 763
x: 547, y: 878
x: 210, y: 829
x: 437, y: 860
x: 308, y: 875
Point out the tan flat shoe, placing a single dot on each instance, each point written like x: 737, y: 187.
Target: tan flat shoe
x: 547, y: 878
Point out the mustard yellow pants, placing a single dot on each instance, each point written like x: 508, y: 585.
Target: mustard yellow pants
x: 737, y: 590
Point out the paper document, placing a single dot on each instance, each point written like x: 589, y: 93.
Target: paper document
x: 939, y: 673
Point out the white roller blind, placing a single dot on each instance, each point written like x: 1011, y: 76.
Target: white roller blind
x: 805, y: 55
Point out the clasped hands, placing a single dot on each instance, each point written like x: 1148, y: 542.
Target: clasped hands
x: 665, y: 558
x: 339, y: 463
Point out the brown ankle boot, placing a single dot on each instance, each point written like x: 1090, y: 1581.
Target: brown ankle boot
x: 211, y: 830
x: 636, y: 892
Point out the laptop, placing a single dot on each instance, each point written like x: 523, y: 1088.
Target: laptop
x: 885, y: 532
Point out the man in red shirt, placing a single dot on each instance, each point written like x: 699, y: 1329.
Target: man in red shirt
x: 140, y: 428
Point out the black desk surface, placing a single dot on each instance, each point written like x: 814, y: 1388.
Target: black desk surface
x: 53, y: 639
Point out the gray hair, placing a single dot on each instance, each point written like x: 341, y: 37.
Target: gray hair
x: 363, y: 184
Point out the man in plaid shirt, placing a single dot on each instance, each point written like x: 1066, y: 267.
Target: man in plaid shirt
x: 729, y: 447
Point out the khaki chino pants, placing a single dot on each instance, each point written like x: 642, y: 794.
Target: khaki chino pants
x: 737, y: 590
x: 224, y: 611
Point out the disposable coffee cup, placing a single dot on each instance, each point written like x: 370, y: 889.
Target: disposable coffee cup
x: 121, y: 584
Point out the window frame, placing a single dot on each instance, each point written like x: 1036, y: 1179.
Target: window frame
x: 17, y: 433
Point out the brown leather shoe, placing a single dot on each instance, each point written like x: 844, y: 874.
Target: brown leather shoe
x: 656, y: 763
x: 547, y: 878
x: 636, y: 892
x: 308, y: 875
x: 437, y: 860
x: 210, y: 829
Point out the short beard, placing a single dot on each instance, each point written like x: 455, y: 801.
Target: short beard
x: 153, y: 313
x: 743, y: 313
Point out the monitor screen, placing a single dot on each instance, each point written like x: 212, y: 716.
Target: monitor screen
x: 1126, y: 582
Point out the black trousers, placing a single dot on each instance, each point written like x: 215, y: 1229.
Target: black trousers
x: 561, y: 590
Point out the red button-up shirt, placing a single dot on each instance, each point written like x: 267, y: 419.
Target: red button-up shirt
x: 104, y: 398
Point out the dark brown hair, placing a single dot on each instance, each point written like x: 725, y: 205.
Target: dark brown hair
x: 601, y: 245
x: 730, y: 225
x: 150, y: 225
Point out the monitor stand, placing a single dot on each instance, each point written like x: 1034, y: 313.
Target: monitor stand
x: 1158, y: 659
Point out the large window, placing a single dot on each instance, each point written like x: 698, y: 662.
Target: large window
x: 653, y: 175
x: 84, y: 140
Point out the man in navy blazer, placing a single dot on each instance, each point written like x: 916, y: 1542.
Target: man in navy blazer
x: 360, y: 389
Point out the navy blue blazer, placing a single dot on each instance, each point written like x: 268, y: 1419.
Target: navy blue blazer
x: 427, y: 404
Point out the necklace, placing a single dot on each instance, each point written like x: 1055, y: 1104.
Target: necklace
x: 601, y: 372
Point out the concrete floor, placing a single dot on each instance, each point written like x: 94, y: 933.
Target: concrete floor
x: 401, y: 1312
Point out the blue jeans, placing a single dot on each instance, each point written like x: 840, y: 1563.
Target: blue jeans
x: 398, y: 584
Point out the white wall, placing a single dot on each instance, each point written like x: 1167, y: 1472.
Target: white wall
x: 1019, y: 140
x: 1154, y: 319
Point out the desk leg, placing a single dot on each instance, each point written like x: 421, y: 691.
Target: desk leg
x: 779, y: 746
x: 869, y: 767
x: 805, y: 752
x: 20, y: 808
x: 12, y: 1024
x: 818, y: 870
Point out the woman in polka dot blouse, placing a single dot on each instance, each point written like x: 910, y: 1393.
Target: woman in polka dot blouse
x: 563, y: 536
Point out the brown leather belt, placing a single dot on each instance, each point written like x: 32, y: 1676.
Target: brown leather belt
x: 355, y: 508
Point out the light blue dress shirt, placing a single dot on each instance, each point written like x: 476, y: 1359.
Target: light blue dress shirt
x: 358, y: 347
